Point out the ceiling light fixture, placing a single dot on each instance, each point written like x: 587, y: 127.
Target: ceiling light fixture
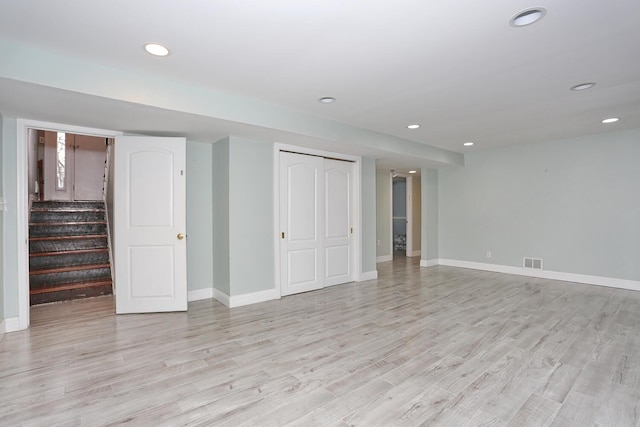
x: 468, y: 144
x: 412, y: 171
x: 528, y: 17
x: 610, y: 120
x: 327, y: 100
x: 583, y: 86
x: 413, y: 126
x: 156, y: 49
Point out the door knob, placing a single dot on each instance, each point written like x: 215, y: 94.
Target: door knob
x: 180, y: 236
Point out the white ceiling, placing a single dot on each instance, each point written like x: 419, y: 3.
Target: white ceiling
x: 457, y: 68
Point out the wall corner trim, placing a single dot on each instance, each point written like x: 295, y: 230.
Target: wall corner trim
x: 415, y: 253
x: 608, y: 282
x: 11, y: 324
x: 200, y: 294
x: 253, y: 298
x: 220, y: 296
x: 368, y: 275
x: 384, y: 258
x: 429, y: 262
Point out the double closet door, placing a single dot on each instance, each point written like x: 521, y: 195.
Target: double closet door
x: 316, y: 222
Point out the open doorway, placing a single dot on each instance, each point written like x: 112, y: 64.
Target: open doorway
x: 69, y: 251
x: 406, y: 215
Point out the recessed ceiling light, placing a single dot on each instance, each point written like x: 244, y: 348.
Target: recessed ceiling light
x: 412, y: 171
x: 468, y: 144
x: 413, y: 126
x: 156, y: 49
x: 528, y: 17
x: 327, y: 100
x: 610, y: 120
x: 583, y: 86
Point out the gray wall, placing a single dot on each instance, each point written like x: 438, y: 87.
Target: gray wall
x: 220, y: 215
x: 574, y: 203
x: 199, y: 215
x: 383, y: 212
x: 416, y: 213
x: 429, y: 190
x: 368, y: 235
x: 2, y: 299
x: 251, y: 216
x: 9, y: 233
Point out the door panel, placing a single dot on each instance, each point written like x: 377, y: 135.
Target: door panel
x: 338, y: 239
x: 149, y: 217
x: 301, y: 208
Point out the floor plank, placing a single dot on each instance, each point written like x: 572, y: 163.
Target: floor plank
x: 418, y: 346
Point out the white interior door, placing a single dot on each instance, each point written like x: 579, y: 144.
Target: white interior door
x: 301, y: 223
x: 338, y: 238
x: 90, y: 155
x: 149, y: 224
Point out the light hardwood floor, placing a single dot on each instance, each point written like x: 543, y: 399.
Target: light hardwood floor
x: 431, y: 346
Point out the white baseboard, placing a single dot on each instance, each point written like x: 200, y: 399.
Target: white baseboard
x: 414, y: 253
x: 546, y: 274
x: 384, y: 258
x: 200, y: 294
x: 220, y: 296
x: 429, y: 262
x: 11, y: 324
x: 368, y: 275
x: 253, y: 298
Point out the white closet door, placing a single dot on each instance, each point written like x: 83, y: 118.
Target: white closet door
x: 301, y: 223
x: 338, y: 238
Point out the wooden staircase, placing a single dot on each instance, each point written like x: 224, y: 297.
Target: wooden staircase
x: 68, y: 251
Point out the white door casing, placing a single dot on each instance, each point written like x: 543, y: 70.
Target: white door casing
x: 149, y: 224
x: 339, y: 221
x: 301, y: 223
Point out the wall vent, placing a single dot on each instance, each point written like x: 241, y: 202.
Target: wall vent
x: 532, y: 263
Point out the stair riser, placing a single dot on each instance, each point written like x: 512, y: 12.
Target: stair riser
x: 38, y: 281
x: 67, y: 260
x: 40, y: 217
x: 67, y: 230
x: 67, y: 205
x: 66, y: 245
x: 70, y: 294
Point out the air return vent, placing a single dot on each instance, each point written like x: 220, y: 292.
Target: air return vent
x: 532, y: 263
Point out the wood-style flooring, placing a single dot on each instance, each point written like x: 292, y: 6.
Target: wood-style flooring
x: 436, y: 346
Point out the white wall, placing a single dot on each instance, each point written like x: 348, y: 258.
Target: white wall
x: 574, y: 203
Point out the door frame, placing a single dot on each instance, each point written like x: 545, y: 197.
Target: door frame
x: 22, y: 197
x: 357, y: 194
x: 409, y: 213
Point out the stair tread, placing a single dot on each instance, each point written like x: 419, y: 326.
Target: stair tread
x: 68, y: 286
x: 39, y: 224
x: 76, y: 236
x: 69, y: 252
x: 100, y: 210
x: 72, y: 268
